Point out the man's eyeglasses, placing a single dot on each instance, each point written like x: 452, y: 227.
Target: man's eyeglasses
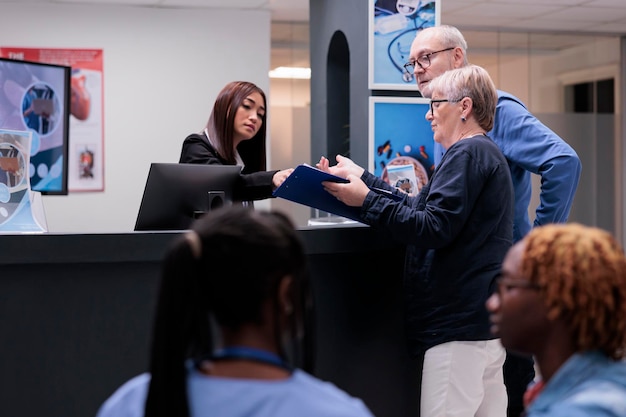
x: 423, y: 61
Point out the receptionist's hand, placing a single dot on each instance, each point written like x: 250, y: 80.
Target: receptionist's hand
x: 280, y: 176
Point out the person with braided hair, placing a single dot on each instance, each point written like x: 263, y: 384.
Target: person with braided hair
x: 562, y: 298
x: 230, y: 323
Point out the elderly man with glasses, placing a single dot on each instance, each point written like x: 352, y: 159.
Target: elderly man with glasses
x: 529, y: 147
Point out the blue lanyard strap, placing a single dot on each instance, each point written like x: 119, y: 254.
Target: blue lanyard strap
x: 253, y: 354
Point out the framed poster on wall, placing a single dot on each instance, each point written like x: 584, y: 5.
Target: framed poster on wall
x: 86, y: 131
x: 36, y: 97
x: 400, y: 136
x: 392, y: 26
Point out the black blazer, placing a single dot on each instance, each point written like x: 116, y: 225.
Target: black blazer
x: 251, y: 186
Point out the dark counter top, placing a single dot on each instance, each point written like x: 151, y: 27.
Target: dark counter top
x: 55, y: 248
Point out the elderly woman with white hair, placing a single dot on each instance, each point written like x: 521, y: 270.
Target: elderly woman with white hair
x: 457, y: 231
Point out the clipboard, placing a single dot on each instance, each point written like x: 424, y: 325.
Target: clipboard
x: 304, y: 186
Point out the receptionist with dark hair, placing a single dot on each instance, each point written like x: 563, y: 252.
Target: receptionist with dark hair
x: 235, y: 135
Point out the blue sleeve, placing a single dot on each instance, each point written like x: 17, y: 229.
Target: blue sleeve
x: 531, y: 146
x: 606, y: 400
x: 128, y: 400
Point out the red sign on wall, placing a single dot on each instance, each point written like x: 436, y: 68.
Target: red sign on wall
x: 86, y: 145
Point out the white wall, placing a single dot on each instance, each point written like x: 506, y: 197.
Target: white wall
x: 593, y: 61
x: 290, y: 122
x: 162, y: 71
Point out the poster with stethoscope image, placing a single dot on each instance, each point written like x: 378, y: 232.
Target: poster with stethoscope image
x: 401, y: 141
x: 393, y: 25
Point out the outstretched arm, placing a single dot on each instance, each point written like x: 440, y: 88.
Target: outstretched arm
x: 345, y: 166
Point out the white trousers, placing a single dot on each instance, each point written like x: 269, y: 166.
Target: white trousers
x: 464, y: 379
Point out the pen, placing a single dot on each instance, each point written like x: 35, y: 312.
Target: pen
x: 386, y: 193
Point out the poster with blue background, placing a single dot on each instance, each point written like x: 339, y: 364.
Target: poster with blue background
x: 393, y: 25
x: 399, y: 134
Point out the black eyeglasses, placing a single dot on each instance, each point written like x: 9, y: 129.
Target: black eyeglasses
x: 423, y: 61
x: 437, y: 101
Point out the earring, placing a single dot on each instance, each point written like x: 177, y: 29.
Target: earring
x: 463, y: 119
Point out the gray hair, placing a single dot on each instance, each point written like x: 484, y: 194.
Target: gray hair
x: 474, y: 82
x: 450, y: 37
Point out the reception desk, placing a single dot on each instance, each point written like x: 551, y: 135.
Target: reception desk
x: 76, y: 313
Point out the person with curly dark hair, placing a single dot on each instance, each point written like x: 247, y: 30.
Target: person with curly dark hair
x: 230, y: 327
x: 562, y: 298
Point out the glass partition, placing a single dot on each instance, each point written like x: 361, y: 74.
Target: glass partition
x: 571, y: 83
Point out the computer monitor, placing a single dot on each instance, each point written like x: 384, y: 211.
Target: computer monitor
x: 177, y: 194
x: 36, y: 96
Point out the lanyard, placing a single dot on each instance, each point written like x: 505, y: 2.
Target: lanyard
x: 253, y: 354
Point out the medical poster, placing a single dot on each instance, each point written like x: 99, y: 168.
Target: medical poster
x: 16, y: 208
x: 86, y: 145
x: 393, y: 25
x: 401, y: 141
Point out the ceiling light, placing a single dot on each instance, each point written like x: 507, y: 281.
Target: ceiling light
x: 291, y: 72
